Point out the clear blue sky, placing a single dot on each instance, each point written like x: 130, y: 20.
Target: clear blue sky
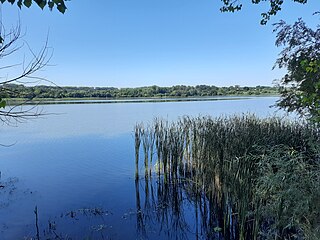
x: 126, y: 43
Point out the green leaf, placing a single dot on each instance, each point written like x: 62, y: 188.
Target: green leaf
x: 62, y: 8
x: 42, y: 4
x: 19, y: 3
x: 27, y: 3
x: 3, y: 103
x: 51, y: 5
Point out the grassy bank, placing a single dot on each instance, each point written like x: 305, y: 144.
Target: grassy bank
x: 260, y: 177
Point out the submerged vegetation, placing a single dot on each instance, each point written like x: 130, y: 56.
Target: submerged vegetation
x: 250, y: 178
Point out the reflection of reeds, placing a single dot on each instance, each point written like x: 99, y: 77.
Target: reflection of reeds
x: 215, y: 155
x: 137, y: 138
x: 37, y: 223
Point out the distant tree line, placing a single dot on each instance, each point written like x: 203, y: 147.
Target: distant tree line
x: 21, y: 91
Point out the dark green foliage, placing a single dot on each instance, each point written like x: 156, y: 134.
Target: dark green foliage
x: 59, y: 4
x: 275, y: 7
x: 261, y: 175
x: 2, y: 103
x: 20, y: 91
x: 301, y: 56
x: 290, y: 185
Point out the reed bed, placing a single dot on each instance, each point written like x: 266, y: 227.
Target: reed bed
x: 260, y: 176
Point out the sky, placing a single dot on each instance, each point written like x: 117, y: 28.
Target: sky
x: 125, y: 43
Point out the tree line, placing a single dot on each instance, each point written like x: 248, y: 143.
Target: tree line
x: 31, y: 92
x: 300, y: 87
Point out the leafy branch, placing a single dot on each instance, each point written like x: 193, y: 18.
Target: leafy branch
x: 58, y: 4
x: 275, y: 7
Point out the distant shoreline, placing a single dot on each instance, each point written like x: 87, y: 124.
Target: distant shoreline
x: 56, y: 93
x: 47, y: 101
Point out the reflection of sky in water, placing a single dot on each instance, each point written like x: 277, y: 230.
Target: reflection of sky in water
x: 63, y: 175
x: 110, y: 120
x: 84, y: 157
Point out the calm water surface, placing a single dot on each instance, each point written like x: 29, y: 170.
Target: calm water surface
x: 77, y: 166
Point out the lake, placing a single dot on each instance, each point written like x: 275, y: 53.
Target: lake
x: 76, y: 165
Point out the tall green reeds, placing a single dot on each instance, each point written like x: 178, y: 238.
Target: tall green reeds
x: 223, y: 158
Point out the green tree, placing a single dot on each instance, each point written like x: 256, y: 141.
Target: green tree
x: 301, y: 57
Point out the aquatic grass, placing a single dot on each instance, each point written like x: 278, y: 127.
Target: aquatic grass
x: 222, y: 158
x: 291, y: 185
x: 137, y: 136
x: 146, y: 143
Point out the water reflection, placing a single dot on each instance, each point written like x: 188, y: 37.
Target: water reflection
x: 114, y: 119
x: 161, y: 210
x: 177, y: 209
x: 216, y: 175
x: 86, y: 158
x: 84, y: 223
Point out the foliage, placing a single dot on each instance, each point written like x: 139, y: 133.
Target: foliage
x: 291, y: 187
x: 21, y: 91
x: 301, y: 56
x: 275, y: 7
x: 59, y: 4
x: 260, y: 176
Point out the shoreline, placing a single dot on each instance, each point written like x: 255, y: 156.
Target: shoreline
x: 47, y: 101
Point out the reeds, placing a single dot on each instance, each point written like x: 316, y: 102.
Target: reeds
x: 137, y: 138
x: 222, y: 158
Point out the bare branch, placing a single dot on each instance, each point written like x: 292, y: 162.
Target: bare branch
x: 12, y: 42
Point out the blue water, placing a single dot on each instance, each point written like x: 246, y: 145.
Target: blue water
x: 76, y: 164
